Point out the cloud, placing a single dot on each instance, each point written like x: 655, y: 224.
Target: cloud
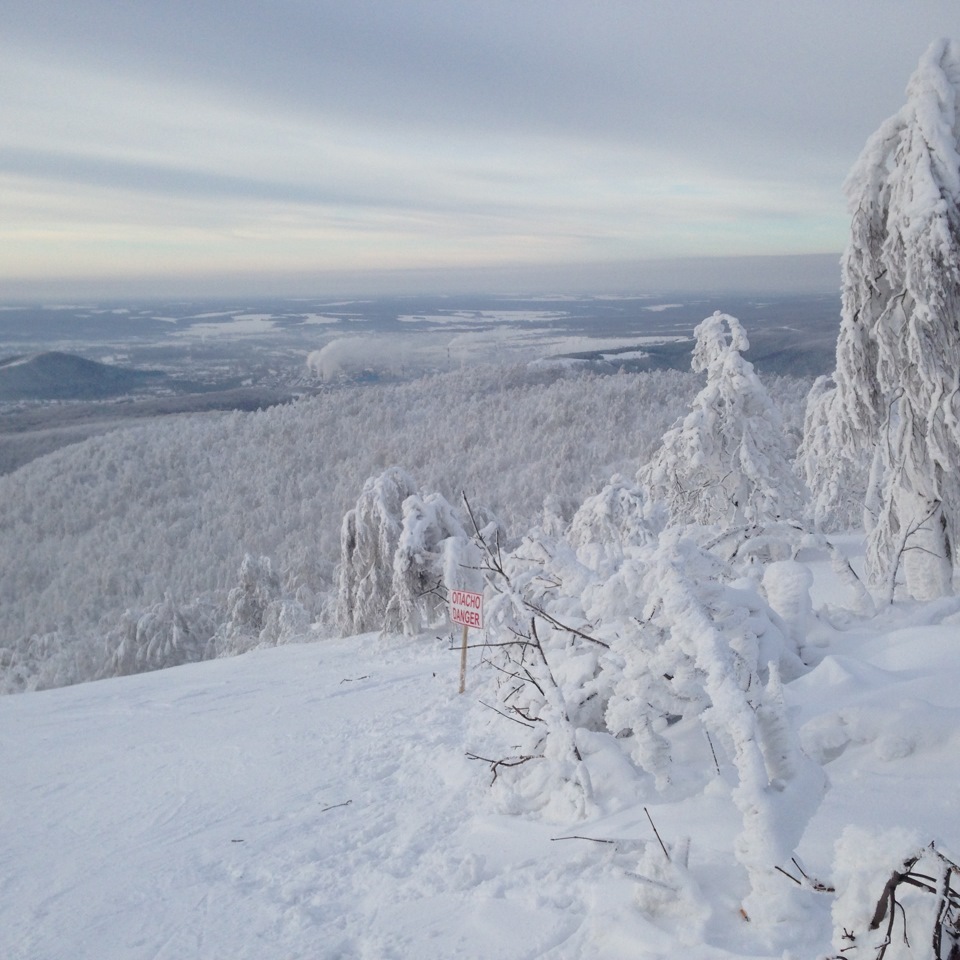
x: 396, y: 134
x: 355, y: 356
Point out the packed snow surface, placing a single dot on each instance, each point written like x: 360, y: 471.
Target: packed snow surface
x: 316, y: 800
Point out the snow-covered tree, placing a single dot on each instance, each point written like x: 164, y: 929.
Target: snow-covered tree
x: 655, y: 658
x: 715, y: 650
x: 369, y: 536
x: 898, y: 352
x: 429, y: 524
x: 612, y: 521
x: 833, y: 460
x: 729, y: 459
x: 165, y: 635
x: 258, y: 612
x: 259, y: 586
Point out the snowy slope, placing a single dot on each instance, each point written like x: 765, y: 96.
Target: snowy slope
x: 316, y: 801
x: 274, y: 805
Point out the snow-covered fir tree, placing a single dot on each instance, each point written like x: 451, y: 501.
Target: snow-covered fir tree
x: 898, y: 352
x: 729, y: 459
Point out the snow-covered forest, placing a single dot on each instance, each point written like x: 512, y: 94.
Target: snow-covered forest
x: 147, y: 528
x: 711, y: 711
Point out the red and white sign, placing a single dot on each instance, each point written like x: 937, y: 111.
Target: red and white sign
x: 466, y: 608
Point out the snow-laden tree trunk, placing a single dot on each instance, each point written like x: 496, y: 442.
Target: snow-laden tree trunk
x: 898, y: 352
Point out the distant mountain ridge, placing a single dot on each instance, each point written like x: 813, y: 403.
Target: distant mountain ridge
x: 65, y: 376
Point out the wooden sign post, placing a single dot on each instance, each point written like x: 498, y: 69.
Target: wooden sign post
x: 466, y: 608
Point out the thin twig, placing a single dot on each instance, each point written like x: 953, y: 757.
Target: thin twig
x: 506, y: 715
x: 789, y: 876
x: 716, y: 763
x: 505, y: 762
x: 591, y: 839
x: 653, y: 883
x: 657, y: 834
x: 540, y: 612
x: 817, y: 885
x: 506, y: 643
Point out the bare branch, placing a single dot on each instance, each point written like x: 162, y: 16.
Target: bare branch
x: 591, y: 839
x: 657, y: 834
x: 505, y: 762
x: 506, y: 715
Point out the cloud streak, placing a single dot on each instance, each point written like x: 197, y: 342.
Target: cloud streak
x: 405, y: 134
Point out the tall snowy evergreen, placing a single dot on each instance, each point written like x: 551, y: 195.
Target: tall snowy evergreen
x: 728, y: 460
x: 898, y: 353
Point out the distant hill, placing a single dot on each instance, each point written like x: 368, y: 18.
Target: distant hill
x: 64, y: 376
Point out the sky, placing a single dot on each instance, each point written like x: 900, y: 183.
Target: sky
x: 311, y: 146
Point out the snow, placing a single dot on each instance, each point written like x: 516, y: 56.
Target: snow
x: 486, y: 316
x: 626, y: 355
x: 318, y: 319
x: 307, y: 801
x: 237, y: 326
x: 316, y: 800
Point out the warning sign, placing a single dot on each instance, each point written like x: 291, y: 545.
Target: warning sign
x: 466, y: 608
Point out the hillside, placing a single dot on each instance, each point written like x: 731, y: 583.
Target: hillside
x: 317, y: 801
x: 170, y: 508
x: 64, y: 376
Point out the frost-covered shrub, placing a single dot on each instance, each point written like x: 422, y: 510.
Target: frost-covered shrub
x: 729, y: 459
x: 614, y: 658
x: 542, y: 668
x: 660, y: 667
x: 732, y: 654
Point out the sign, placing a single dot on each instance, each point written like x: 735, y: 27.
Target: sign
x: 466, y: 608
